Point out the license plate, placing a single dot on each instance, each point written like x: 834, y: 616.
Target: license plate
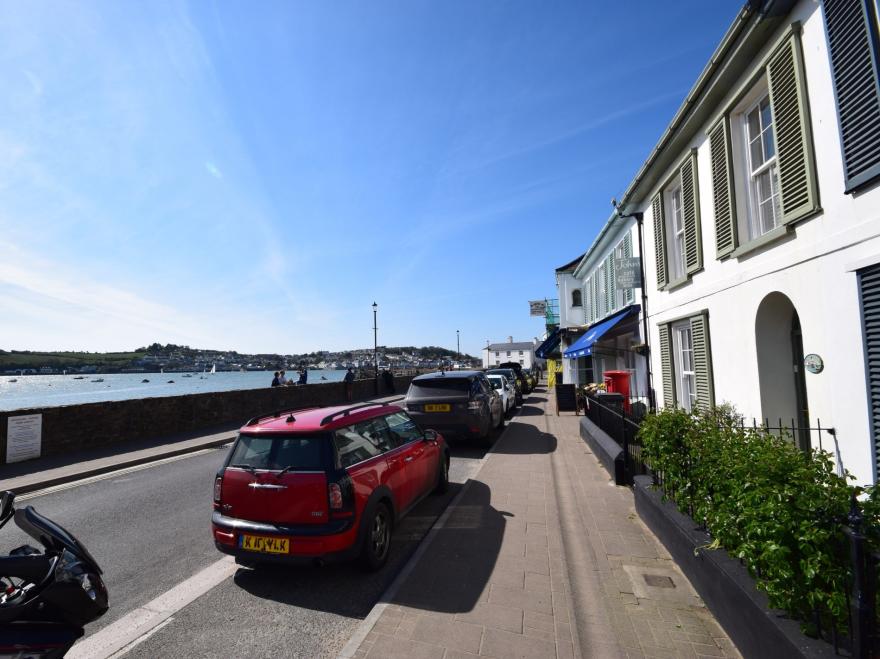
x: 440, y: 407
x: 265, y: 544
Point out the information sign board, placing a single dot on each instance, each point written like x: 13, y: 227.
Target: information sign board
x: 566, y: 399
x: 23, y: 437
x: 627, y: 273
x: 537, y: 307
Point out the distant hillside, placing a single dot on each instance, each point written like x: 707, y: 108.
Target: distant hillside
x: 15, y: 359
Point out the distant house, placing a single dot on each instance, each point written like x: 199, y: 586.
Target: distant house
x: 522, y: 352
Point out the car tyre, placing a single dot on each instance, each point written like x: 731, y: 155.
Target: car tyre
x: 442, y: 476
x: 377, y: 541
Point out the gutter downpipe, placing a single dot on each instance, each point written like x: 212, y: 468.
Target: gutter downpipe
x: 652, y: 404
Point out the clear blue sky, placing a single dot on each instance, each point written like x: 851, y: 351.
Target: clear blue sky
x: 253, y: 175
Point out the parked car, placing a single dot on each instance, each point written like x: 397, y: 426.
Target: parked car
x: 518, y: 370
x: 324, y: 484
x: 458, y: 404
x: 506, y: 389
x: 510, y: 374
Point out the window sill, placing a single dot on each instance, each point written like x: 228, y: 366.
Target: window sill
x: 678, y: 283
x: 768, y: 238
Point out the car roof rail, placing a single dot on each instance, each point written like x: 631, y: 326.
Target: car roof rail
x: 277, y: 413
x: 327, y: 419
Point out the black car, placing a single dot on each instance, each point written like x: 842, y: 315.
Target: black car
x: 511, y: 375
x: 457, y: 403
x: 520, y: 376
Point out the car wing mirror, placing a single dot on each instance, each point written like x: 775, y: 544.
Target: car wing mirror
x: 430, y: 435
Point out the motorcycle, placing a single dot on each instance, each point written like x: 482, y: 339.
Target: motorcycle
x: 46, y: 597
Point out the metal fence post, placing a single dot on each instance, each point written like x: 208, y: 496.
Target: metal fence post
x: 625, y: 444
x: 861, y: 609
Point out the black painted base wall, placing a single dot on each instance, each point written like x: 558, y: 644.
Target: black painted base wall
x: 609, y: 452
x: 725, y: 586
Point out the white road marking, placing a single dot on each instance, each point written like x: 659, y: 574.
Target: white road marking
x: 116, y: 473
x: 143, y: 620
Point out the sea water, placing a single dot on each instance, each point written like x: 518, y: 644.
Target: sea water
x: 29, y: 391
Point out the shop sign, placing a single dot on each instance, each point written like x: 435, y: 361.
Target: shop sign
x: 538, y: 307
x: 813, y: 363
x: 627, y: 273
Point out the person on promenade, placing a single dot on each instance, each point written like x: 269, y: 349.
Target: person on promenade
x: 303, y: 375
x: 281, y: 379
x: 349, y: 380
x: 388, y: 376
x: 275, y: 381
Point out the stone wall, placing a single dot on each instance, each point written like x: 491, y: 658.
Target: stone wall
x: 93, y: 425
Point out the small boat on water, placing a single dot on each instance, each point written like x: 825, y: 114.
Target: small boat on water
x: 99, y: 380
x: 170, y: 381
x: 13, y: 380
x: 80, y: 377
x: 188, y: 375
x: 144, y: 381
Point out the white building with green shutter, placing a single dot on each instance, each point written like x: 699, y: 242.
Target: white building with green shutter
x: 761, y: 204
x: 601, y: 319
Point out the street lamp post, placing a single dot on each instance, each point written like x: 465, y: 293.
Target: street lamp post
x: 458, y: 347
x: 375, y: 349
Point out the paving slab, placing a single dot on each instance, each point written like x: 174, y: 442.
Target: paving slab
x: 542, y: 556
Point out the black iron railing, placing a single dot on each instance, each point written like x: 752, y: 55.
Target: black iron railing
x: 861, y: 636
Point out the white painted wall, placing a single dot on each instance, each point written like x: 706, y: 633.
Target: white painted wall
x: 814, y: 268
x: 527, y: 358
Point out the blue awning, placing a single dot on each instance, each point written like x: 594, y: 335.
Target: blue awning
x: 583, y: 347
x: 550, y: 344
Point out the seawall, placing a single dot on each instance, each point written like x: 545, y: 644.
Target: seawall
x: 94, y: 425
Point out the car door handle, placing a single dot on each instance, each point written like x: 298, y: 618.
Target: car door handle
x: 408, y: 458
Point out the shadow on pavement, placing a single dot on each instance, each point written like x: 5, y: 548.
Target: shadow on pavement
x: 343, y: 588
x: 452, y: 575
x: 526, y: 440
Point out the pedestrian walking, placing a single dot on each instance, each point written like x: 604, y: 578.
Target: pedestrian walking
x: 349, y: 386
x: 388, y: 377
x: 275, y: 380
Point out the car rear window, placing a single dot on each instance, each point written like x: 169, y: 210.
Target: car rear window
x: 439, y: 387
x: 496, y: 381
x: 295, y: 452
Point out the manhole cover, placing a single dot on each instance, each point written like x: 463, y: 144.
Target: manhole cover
x: 658, y: 581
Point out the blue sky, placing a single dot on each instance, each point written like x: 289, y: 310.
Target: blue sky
x: 253, y: 176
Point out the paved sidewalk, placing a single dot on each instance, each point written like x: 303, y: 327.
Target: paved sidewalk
x: 23, y: 477
x: 543, y: 557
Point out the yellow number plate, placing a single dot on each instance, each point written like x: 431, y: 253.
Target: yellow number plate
x: 265, y: 544
x: 444, y: 407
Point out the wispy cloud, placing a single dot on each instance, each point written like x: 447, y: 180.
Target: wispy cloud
x: 213, y: 170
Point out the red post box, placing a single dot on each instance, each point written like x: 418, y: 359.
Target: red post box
x: 618, y: 382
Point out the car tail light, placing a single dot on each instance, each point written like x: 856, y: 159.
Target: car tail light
x: 335, y: 494
x: 218, y: 488
x: 475, y: 406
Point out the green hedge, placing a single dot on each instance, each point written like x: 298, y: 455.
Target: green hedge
x: 765, y: 501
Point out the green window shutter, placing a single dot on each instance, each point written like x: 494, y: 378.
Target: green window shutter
x: 629, y: 293
x: 607, y: 268
x: 668, y: 374
x: 791, y: 123
x: 722, y: 189
x: 855, y: 67
x: 690, y: 202
x: 660, y: 240
x: 702, y: 361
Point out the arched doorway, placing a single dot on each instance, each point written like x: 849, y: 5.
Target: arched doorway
x: 780, y: 352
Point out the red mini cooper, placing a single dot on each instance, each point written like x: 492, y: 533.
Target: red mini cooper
x: 322, y: 484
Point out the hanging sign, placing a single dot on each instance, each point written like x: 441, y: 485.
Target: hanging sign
x: 537, y: 307
x: 627, y: 273
x: 23, y: 437
x: 813, y: 363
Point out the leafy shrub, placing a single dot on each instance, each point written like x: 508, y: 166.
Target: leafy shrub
x: 765, y: 501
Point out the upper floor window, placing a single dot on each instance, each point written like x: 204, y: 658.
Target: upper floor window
x: 675, y: 230
x: 678, y: 245
x: 761, y: 154
x: 520, y: 352
x: 763, y: 175
x: 576, y: 298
